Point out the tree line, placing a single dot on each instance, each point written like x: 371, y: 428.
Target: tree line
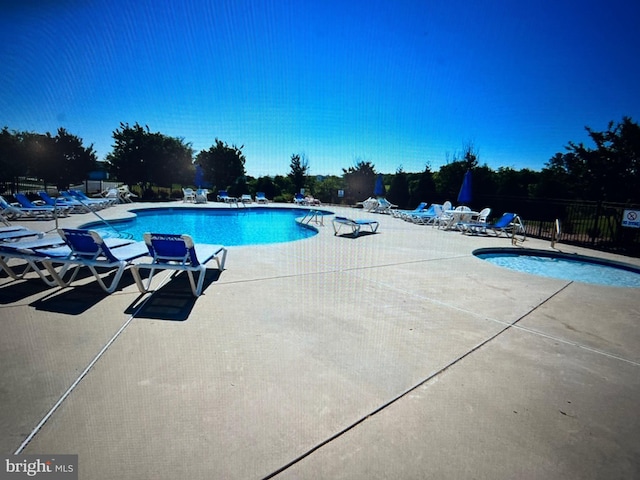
x: 608, y: 170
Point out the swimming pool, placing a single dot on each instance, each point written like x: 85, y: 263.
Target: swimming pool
x: 578, y: 268
x: 229, y: 227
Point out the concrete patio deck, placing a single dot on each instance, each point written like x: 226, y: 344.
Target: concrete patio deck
x: 391, y: 355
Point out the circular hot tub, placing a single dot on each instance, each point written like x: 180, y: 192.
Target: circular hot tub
x: 579, y: 268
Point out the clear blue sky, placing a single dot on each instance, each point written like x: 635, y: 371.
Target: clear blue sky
x: 390, y: 82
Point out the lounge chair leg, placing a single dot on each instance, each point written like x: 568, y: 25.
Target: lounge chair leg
x: 57, y: 276
x: 135, y: 271
x: 222, y: 262
x: 114, y: 284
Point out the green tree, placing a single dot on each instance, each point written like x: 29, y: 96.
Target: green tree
x: 399, y: 189
x: 299, y: 171
x: 484, y: 184
x: 470, y: 156
x: 554, y: 181
x: 449, y: 179
x: 326, y: 190
x: 139, y: 156
x: 266, y: 185
x: 173, y: 161
x: 60, y: 160
x: 126, y: 161
x: 359, y: 181
x: 284, y: 188
x: 424, y: 189
x: 515, y: 183
x: 72, y: 160
x: 223, y: 166
x: 12, y: 161
x: 39, y: 152
x: 598, y: 171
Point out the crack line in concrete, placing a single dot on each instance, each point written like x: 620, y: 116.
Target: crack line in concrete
x: 77, y: 381
x: 335, y: 270
x: 518, y: 327
x: 575, y: 344
x: 422, y: 382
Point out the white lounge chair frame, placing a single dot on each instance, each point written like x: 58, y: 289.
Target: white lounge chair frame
x: 36, y: 253
x: 119, y: 255
x: 354, y: 225
x: 188, y: 262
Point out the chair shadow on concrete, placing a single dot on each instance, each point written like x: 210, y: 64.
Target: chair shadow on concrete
x: 354, y: 236
x: 17, y: 290
x: 173, y: 301
x: 71, y: 301
x: 78, y: 298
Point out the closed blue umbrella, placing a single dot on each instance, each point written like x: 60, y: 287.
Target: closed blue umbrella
x: 465, y: 196
x: 379, y: 190
x: 199, y: 177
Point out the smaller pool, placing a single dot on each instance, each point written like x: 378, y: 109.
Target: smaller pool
x: 578, y: 268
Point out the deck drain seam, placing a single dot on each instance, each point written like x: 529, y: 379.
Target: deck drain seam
x: 518, y: 327
x: 335, y: 270
x: 575, y: 344
x: 403, y: 394
x: 80, y: 377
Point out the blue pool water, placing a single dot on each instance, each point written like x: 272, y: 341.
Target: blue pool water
x: 567, y: 267
x: 243, y: 226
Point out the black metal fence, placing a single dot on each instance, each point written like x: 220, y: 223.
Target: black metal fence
x: 32, y: 185
x: 596, y: 225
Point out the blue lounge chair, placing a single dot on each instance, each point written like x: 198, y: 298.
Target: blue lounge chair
x: 67, y: 199
x: 202, y: 195
x: 354, y: 225
x: 11, y: 228
x: 223, y: 196
x: 3, y: 219
x: 89, y: 249
x: 34, y: 253
x: 17, y: 233
x: 83, y: 198
x: 428, y: 216
x: 178, y: 253
x: 9, y: 211
x: 31, y: 209
x: 406, y: 213
x: 84, y: 203
x: 298, y: 199
x: 261, y: 198
x: 60, y: 203
x: 384, y: 206
x: 78, y: 205
x: 504, y: 224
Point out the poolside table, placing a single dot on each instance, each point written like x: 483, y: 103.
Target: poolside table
x: 453, y: 217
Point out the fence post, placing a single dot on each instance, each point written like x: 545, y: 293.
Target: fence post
x: 594, y: 231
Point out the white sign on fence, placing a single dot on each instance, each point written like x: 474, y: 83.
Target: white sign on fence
x: 631, y: 218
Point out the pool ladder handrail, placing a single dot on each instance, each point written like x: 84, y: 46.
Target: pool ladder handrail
x: 315, y: 216
x: 125, y: 235
x: 518, y: 228
x: 555, y: 234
